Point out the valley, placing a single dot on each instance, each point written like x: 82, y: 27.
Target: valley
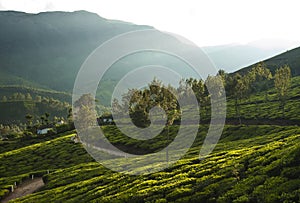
x: 44, y: 158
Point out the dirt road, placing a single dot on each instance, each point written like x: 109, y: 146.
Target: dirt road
x: 25, y: 188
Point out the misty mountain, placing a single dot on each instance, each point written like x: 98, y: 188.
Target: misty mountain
x: 49, y: 48
x: 235, y: 56
x: 46, y: 50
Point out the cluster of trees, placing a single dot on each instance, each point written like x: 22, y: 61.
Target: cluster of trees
x: 238, y: 87
x: 38, y: 99
x: 57, y: 124
x: 137, y: 103
x: 11, y: 131
x: 258, y: 79
x: 42, y: 120
x: 17, y: 97
x: 15, y: 107
x: 282, y: 80
x: 46, y: 120
x: 34, y: 122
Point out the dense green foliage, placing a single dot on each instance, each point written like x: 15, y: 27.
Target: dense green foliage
x: 252, y: 98
x: 15, y: 111
x: 250, y: 164
x: 10, y: 90
x: 17, y: 101
x: 255, y: 161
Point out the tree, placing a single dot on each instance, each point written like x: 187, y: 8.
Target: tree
x: 162, y: 96
x: 47, y: 115
x: 38, y: 99
x: 198, y: 88
x: 282, y: 84
x: 29, y: 118
x: 55, y: 119
x: 14, y: 97
x: 20, y: 97
x: 43, y: 119
x: 140, y: 102
x: 85, y: 113
x: 70, y: 115
x: 260, y: 76
x: 185, y: 91
x: 238, y: 86
x: 4, y: 99
x: 215, y: 85
x: 28, y: 97
x: 169, y: 104
x: 223, y: 75
x: 116, y: 106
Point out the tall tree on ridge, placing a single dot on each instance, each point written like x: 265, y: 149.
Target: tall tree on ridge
x: 282, y: 84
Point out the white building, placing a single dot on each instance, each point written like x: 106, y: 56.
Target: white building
x: 43, y: 131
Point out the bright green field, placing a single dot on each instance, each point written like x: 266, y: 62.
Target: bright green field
x: 250, y: 164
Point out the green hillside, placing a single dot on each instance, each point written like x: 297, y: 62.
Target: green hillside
x: 9, y: 79
x: 256, y: 161
x: 18, y: 101
x: 262, y: 166
x: 256, y: 108
x: 14, y: 112
x: 8, y: 90
x: 49, y: 48
x: 291, y: 58
x: 257, y: 158
x: 46, y: 50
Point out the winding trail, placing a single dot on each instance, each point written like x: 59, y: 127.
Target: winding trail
x: 25, y: 188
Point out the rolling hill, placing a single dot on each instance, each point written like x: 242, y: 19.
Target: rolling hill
x: 40, y: 54
x: 257, y: 161
x: 262, y: 166
x: 47, y: 49
x: 232, y: 57
x: 290, y: 57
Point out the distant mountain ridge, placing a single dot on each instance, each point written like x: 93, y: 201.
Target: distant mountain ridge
x: 232, y: 57
x: 49, y: 48
x: 46, y: 50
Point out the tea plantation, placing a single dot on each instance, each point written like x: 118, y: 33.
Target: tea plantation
x: 250, y: 164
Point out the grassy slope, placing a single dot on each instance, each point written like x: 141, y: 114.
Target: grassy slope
x: 257, y: 108
x: 15, y: 111
x: 8, y: 90
x: 255, y: 163
x: 10, y: 79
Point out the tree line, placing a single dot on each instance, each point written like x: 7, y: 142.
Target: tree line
x: 238, y: 87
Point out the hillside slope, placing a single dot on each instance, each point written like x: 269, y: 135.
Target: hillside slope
x: 251, y: 163
x: 291, y: 58
x: 50, y: 47
x: 47, y: 49
x: 260, y: 167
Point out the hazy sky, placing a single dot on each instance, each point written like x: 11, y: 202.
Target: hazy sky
x: 209, y: 22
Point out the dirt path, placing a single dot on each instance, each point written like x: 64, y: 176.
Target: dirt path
x: 25, y: 188
x: 235, y: 121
